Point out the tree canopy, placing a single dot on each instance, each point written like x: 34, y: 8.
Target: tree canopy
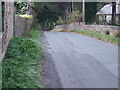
x: 51, y: 12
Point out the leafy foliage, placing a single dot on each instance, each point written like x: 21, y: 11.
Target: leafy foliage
x: 46, y: 17
x: 60, y: 12
x: 78, y: 6
x: 21, y: 7
x: 48, y: 13
x: 73, y: 16
x: 60, y: 21
x: 107, y: 32
x: 90, y: 11
x: 100, y: 5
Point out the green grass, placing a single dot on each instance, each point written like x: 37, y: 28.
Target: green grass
x: 35, y: 36
x: 21, y: 64
x: 98, y: 35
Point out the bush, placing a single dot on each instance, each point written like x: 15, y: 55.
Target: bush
x: 74, y: 16
x: 21, y: 64
x: 107, y: 32
x: 60, y: 21
x: 21, y: 7
x: 73, y: 30
x: 98, y: 35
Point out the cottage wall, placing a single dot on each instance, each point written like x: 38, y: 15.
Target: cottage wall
x: 108, y: 18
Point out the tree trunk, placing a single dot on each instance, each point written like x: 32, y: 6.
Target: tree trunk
x: 72, y: 7
x: 119, y: 14
x: 113, y: 12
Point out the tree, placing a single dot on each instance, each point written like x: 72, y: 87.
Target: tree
x: 21, y: 7
x: 113, y: 12
x: 46, y: 17
x: 90, y: 11
x: 48, y: 12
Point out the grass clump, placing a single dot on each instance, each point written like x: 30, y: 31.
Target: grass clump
x: 34, y: 34
x: 20, y: 66
x: 98, y: 35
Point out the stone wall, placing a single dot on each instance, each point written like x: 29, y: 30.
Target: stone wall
x: 13, y: 25
x: 7, y: 33
x: 21, y: 25
x: 1, y: 56
x: 101, y: 28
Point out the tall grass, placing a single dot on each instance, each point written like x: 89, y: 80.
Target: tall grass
x: 98, y: 35
x: 20, y: 65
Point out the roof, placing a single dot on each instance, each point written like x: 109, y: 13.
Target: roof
x: 107, y: 9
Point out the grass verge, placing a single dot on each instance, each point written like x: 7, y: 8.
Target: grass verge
x: 20, y: 66
x: 98, y: 35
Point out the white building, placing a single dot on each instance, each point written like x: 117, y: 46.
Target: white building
x: 105, y: 13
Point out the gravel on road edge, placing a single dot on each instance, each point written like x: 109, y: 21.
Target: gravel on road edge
x: 50, y: 75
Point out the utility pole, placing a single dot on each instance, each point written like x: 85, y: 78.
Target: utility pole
x: 83, y: 11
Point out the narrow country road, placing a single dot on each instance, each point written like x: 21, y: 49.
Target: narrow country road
x: 81, y: 61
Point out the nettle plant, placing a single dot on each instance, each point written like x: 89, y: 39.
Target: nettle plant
x: 21, y: 7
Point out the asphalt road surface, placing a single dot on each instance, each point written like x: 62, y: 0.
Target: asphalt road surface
x: 81, y: 61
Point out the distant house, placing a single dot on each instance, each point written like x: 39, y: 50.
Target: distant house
x: 105, y: 13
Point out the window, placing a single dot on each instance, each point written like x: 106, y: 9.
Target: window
x: 104, y: 18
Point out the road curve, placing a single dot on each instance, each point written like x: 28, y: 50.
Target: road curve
x: 83, y: 62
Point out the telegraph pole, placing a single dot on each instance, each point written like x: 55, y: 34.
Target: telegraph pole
x: 83, y: 11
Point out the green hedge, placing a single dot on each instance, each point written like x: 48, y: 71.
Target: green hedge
x: 20, y: 67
